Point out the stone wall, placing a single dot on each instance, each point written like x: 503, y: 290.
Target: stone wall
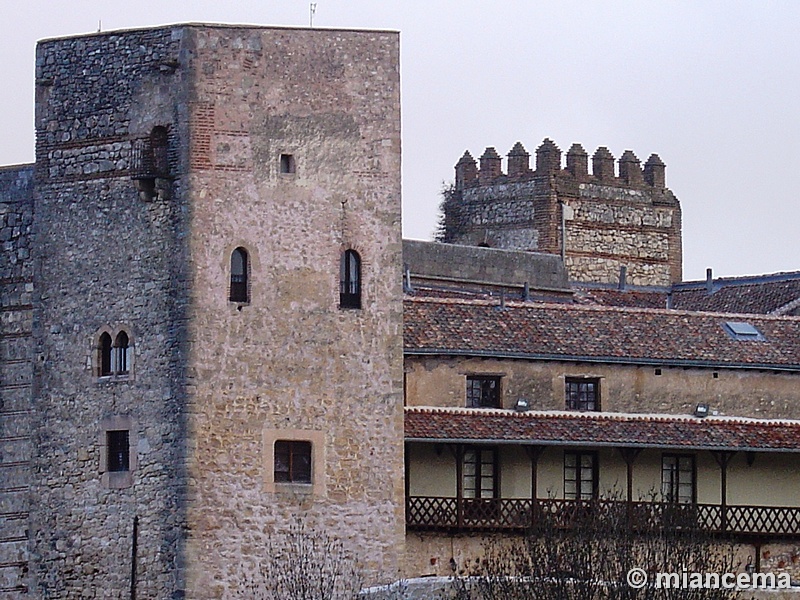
x: 609, y: 221
x: 109, y: 259
x: 289, y: 364
x: 128, y: 243
x: 455, y: 263
x: 16, y: 375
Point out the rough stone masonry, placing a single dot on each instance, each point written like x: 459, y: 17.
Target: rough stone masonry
x: 159, y: 153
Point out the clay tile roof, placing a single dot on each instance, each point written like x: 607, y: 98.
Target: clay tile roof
x: 450, y: 326
x: 629, y: 297
x: 760, y: 294
x: 600, y: 429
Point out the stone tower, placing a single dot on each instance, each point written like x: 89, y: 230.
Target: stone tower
x: 217, y: 305
x: 599, y: 222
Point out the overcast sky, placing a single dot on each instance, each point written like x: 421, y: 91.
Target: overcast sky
x: 712, y: 87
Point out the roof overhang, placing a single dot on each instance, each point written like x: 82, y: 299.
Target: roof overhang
x: 616, y: 360
x: 599, y: 430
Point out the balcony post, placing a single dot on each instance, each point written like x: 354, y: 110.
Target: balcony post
x: 629, y: 456
x: 459, y: 454
x: 723, y: 457
x: 534, y: 452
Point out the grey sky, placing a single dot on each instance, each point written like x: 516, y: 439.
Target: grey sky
x: 712, y: 87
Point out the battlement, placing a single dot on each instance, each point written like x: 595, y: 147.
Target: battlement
x: 618, y: 215
x: 629, y: 171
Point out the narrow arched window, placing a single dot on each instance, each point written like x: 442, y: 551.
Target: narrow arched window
x: 120, y: 360
x: 350, y: 280
x: 105, y: 355
x: 239, y: 276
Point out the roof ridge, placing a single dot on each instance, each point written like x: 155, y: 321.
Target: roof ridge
x: 740, y: 280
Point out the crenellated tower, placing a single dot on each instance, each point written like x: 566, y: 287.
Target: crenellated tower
x: 619, y: 215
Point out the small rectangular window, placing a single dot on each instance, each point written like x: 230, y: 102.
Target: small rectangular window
x: 292, y: 461
x: 582, y: 394
x: 483, y: 392
x: 287, y: 163
x: 118, y: 447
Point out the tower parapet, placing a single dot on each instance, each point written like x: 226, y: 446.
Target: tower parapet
x: 578, y: 162
x: 518, y: 161
x: 654, y: 172
x: 619, y: 215
x: 629, y: 170
x: 603, y: 164
x: 466, y: 171
x: 548, y: 158
x: 490, y: 165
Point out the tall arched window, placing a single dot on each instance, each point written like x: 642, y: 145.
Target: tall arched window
x: 120, y: 359
x: 239, y: 291
x: 350, y: 280
x: 105, y: 355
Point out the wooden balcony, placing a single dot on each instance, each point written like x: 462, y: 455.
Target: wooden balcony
x: 495, y: 514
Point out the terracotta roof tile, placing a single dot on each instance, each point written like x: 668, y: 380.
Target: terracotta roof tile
x: 599, y: 333
x: 630, y: 298
x: 761, y: 294
x: 600, y: 429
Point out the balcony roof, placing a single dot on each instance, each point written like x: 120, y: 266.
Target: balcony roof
x: 601, y: 334
x: 619, y: 430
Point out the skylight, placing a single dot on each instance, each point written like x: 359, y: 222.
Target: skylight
x: 740, y: 330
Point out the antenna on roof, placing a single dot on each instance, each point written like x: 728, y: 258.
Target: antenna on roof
x: 99, y: 25
x: 312, y: 8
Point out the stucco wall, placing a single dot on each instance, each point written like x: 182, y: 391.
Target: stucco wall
x: 441, y: 381
x: 432, y: 472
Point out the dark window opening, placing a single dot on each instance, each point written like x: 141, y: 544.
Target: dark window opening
x: 580, y: 475
x: 678, y: 478
x: 159, y: 142
x: 350, y: 280
x: 483, y: 392
x: 292, y: 461
x: 287, y: 163
x: 150, y: 156
x: 119, y: 359
x: 479, y: 477
x: 105, y: 355
x: 238, y: 292
x: 118, y: 449
x: 583, y: 394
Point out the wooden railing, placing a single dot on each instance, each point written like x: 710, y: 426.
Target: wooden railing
x: 432, y: 513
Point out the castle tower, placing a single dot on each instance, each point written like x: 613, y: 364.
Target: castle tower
x: 598, y: 222
x: 218, y: 313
